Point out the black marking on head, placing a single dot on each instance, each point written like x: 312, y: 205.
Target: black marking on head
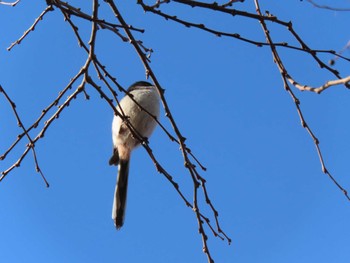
x: 139, y: 84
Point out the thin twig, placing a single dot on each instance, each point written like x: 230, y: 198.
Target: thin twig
x: 10, y: 3
x: 296, y: 101
x: 344, y: 81
x: 327, y: 7
x: 31, y: 28
x: 30, y: 145
x: 191, y: 168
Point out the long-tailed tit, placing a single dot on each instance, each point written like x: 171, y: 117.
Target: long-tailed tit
x: 124, y: 140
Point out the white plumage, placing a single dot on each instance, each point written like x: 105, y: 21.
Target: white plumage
x: 146, y: 95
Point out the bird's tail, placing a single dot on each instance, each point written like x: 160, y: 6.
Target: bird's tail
x: 120, y: 194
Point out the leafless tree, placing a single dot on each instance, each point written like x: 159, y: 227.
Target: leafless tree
x: 93, y: 73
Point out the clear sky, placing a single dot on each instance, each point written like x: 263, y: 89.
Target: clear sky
x: 264, y: 176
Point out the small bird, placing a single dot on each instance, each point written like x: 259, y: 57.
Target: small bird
x: 142, y: 120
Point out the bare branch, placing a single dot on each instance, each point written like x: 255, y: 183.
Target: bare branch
x: 286, y: 78
x: 327, y: 7
x: 10, y: 3
x: 337, y: 56
x: 93, y: 74
x: 31, y: 28
x: 30, y: 145
x: 191, y: 168
x: 344, y: 81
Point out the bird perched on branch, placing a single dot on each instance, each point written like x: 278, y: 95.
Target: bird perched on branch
x: 138, y: 110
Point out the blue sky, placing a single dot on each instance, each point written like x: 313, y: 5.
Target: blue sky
x: 264, y: 176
